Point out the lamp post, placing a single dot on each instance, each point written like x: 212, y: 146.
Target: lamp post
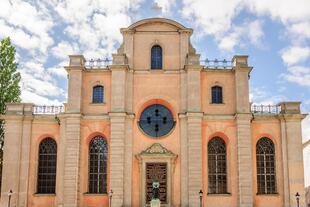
x: 110, y: 197
x: 297, y: 198
x: 200, y: 197
x: 10, y: 193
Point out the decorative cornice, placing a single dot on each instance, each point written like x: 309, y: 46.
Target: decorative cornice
x: 157, y: 149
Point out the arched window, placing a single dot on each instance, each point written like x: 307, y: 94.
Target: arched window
x: 157, y: 57
x: 266, y: 168
x: 217, y: 175
x: 46, y: 181
x: 98, y: 94
x: 98, y: 157
x: 217, y: 96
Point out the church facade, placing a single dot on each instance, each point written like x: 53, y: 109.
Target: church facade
x: 155, y: 114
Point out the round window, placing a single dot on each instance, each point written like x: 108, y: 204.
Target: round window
x: 156, y: 120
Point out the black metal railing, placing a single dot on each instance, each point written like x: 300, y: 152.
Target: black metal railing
x: 98, y: 63
x: 217, y: 64
x: 265, y: 109
x: 48, y: 110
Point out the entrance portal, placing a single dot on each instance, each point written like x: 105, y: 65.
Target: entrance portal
x: 156, y: 164
x: 156, y: 171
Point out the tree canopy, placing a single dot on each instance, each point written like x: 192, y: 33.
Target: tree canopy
x: 9, y: 79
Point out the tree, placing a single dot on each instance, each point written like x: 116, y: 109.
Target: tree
x: 9, y: 84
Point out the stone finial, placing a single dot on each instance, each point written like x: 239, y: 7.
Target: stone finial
x: 77, y: 60
x: 240, y: 60
x: 290, y: 107
x: 193, y: 59
x: 119, y: 59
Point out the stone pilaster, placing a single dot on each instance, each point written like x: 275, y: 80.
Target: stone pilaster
x: 194, y: 136
x: 286, y: 193
x: 244, y: 138
x: 117, y: 158
x: 128, y: 161
x: 61, y: 163
x: 75, y: 80
x: 72, y: 160
x: 291, y: 118
x: 121, y: 127
x: 244, y: 162
x: 16, y: 154
x: 194, y: 129
x: 184, y: 160
x: 193, y: 85
x: 25, y: 155
x: 242, y: 72
x: 128, y: 46
x: 184, y: 45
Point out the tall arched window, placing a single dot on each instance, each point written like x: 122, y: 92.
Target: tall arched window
x: 217, y: 96
x: 217, y: 175
x: 98, y: 93
x: 46, y: 181
x: 98, y: 157
x: 156, y: 57
x: 266, y: 168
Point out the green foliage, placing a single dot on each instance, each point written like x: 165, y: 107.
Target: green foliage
x: 9, y: 88
x: 9, y: 80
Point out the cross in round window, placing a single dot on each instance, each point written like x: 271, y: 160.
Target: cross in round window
x: 156, y: 121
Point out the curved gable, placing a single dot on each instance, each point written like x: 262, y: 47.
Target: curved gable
x: 156, y: 24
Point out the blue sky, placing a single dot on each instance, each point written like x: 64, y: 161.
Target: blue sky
x: 274, y: 33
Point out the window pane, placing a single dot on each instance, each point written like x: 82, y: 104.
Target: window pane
x: 217, y: 96
x: 47, y: 166
x: 98, y: 94
x: 156, y: 57
x: 98, y: 152
x: 217, y: 166
x: 265, y: 164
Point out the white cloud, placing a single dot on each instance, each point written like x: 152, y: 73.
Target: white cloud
x: 41, y: 87
x: 19, y: 37
x: 63, y: 49
x: 261, y: 95
x: 216, y: 18
x: 255, y: 32
x: 31, y: 97
x: 58, y: 70
x: 90, y: 27
x: 211, y: 17
x: 248, y: 31
x: 295, y: 54
x: 286, y: 11
x: 29, y: 22
x: 229, y: 42
x: 164, y: 5
x: 301, y: 30
x: 299, y: 75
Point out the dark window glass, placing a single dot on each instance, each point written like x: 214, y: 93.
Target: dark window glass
x: 217, y: 96
x: 266, y: 168
x: 217, y: 175
x: 47, y: 166
x: 157, y: 57
x: 156, y: 120
x: 98, y: 94
x: 98, y: 156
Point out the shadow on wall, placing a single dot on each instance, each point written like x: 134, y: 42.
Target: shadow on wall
x: 308, y: 196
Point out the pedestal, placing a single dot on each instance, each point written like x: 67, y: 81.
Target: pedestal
x: 155, y: 203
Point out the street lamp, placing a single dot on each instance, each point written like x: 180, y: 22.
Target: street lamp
x: 10, y: 193
x: 297, y: 198
x: 200, y: 197
x: 110, y: 197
